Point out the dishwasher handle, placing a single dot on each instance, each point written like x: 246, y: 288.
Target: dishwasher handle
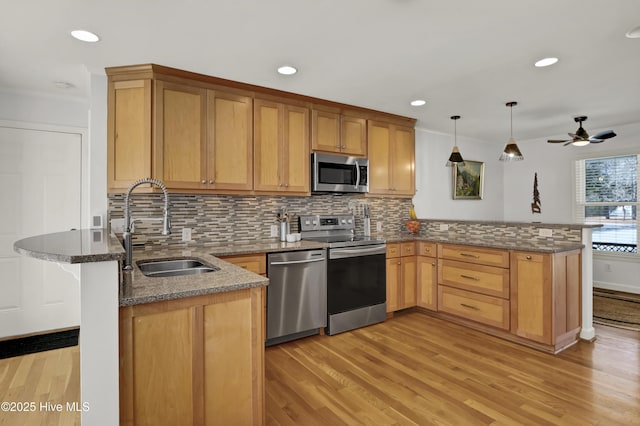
x: 293, y: 262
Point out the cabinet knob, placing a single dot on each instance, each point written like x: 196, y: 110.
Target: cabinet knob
x: 203, y: 181
x: 286, y: 185
x: 212, y: 181
x: 528, y: 257
x: 343, y: 146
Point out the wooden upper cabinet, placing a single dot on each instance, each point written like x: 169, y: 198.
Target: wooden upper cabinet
x: 204, y: 138
x: 334, y: 132
x: 281, y: 147
x: 128, y: 133
x: 391, y: 151
x: 180, y: 153
x: 229, y: 141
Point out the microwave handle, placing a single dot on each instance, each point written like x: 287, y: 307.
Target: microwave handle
x: 357, y: 175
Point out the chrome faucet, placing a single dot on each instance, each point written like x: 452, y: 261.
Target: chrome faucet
x: 128, y: 221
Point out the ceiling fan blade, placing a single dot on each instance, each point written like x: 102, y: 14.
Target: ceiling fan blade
x: 568, y: 143
x: 556, y: 141
x: 607, y: 134
x: 594, y: 140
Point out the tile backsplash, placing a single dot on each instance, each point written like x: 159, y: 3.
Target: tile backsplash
x: 217, y: 218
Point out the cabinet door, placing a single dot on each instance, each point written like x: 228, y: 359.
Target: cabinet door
x: 403, y: 161
x: 267, y: 142
x: 393, y: 282
x: 296, y: 158
x: 229, y: 141
x: 531, y: 296
x: 157, y: 360
x: 325, y: 131
x: 353, y: 135
x: 128, y: 133
x: 234, y: 359
x: 379, y: 148
x: 408, y: 265
x: 180, y: 155
x: 427, y: 286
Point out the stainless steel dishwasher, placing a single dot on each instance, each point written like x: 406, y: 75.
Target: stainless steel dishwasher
x: 296, y: 295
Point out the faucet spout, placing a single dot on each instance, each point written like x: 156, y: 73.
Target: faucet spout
x: 127, y: 235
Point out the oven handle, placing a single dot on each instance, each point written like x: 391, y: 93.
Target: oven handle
x: 339, y: 253
x: 291, y: 262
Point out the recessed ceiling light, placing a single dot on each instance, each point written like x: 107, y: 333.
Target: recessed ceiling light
x: 287, y: 70
x: 83, y: 35
x: 634, y: 32
x: 418, y: 102
x: 546, y: 62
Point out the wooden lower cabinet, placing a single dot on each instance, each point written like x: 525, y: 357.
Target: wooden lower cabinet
x: 256, y: 263
x: 197, y: 360
x: 546, y: 297
x: 427, y: 276
x: 401, y: 276
x: 489, y: 310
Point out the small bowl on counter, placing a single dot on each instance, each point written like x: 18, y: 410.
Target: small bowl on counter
x: 413, y: 226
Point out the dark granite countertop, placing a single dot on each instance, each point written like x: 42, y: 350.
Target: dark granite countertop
x: 78, y: 246
x: 543, y: 246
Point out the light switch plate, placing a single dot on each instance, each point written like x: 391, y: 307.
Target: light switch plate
x: 117, y: 226
x: 378, y: 226
x: 274, y: 230
x: 444, y: 227
x: 543, y: 232
x: 186, y: 234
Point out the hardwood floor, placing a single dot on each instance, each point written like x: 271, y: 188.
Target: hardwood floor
x: 412, y: 369
x: 415, y: 369
x: 35, y: 379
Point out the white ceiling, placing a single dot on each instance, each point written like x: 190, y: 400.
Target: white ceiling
x: 465, y: 57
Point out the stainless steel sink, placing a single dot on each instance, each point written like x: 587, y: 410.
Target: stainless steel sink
x: 174, y: 267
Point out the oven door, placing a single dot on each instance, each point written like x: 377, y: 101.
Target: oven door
x: 356, y: 277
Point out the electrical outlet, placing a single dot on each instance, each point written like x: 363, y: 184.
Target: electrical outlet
x: 379, y: 226
x: 186, y: 234
x: 543, y: 232
x: 607, y: 267
x: 444, y: 226
x: 274, y: 230
x: 117, y: 226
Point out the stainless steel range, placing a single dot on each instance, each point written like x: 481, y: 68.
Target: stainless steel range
x: 356, y: 272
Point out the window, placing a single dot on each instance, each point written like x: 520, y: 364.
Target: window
x: 607, y: 194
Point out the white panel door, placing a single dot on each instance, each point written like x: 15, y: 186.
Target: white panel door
x: 40, y: 192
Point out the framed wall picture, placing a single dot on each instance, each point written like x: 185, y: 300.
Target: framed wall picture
x: 468, y: 180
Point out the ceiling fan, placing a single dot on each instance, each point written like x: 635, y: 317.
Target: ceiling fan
x: 581, y: 137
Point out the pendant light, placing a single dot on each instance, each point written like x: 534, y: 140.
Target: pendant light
x: 511, y: 151
x: 455, y: 156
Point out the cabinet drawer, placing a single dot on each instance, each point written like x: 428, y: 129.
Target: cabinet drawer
x: 256, y: 263
x: 479, y: 255
x: 487, y: 280
x: 427, y: 249
x: 408, y: 249
x: 393, y: 250
x: 488, y: 310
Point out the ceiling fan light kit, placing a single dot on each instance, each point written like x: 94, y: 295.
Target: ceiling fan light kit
x: 511, y: 151
x: 455, y: 157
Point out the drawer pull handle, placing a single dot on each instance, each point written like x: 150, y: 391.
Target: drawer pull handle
x: 469, y: 277
x: 528, y: 257
x: 464, y: 305
x: 470, y: 255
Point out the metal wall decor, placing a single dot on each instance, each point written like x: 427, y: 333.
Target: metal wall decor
x: 536, y: 205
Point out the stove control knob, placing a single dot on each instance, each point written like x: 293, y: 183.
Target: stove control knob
x: 307, y: 222
x: 349, y: 221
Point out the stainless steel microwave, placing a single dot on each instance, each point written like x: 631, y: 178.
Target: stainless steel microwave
x: 339, y: 173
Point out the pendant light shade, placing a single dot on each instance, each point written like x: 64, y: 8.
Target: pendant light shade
x: 511, y: 151
x: 455, y: 156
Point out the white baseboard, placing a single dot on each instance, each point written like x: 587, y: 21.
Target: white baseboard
x: 616, y: 287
